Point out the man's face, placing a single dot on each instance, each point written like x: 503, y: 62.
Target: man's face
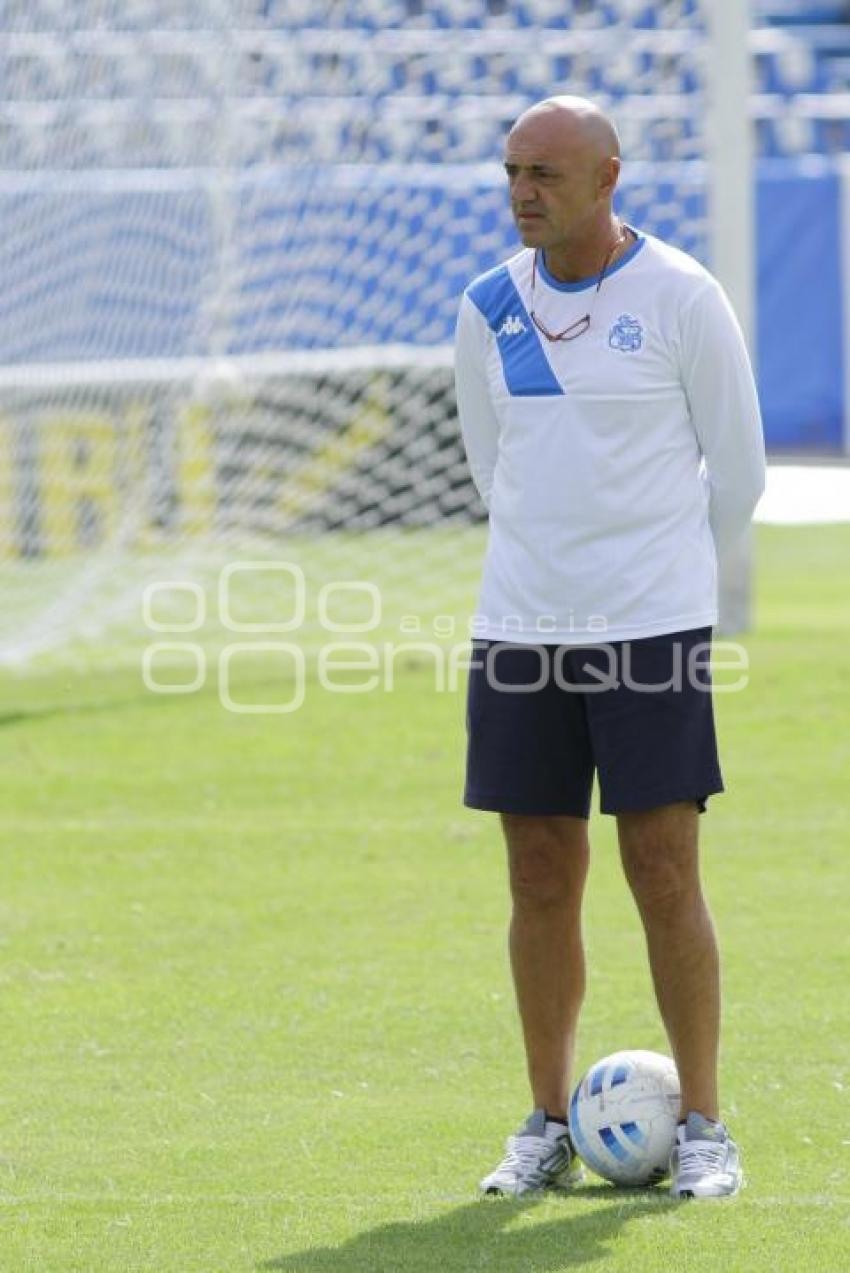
x: 555, y: 180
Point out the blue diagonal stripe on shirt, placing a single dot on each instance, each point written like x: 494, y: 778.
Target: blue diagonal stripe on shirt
x: 527, y: 371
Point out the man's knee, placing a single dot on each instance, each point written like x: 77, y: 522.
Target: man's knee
x: 661, y: 862
x: 536, y: 879
x: 547, y: 860
x: 661, y: 887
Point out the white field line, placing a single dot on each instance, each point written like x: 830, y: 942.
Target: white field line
x: 805, y: 494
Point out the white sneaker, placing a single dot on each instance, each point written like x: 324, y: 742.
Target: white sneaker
x: 704, y: 1162
x: 540, y: 1156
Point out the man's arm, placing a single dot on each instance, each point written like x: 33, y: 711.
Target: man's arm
x: 719, y: 384
x: 478, y: 422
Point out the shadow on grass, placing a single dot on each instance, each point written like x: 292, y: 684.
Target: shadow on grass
x: 487, y: 1234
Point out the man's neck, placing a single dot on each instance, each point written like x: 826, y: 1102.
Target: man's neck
x: 571, y: 264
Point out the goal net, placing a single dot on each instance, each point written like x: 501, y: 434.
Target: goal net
x: 235, y: 236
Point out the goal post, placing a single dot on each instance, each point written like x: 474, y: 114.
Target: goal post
x: 731, y: 197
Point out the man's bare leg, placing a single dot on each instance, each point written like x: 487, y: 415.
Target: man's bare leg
x: 659, y: 849
x: 547, y: 859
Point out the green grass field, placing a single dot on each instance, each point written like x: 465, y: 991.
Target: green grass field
x: 256, y: 1008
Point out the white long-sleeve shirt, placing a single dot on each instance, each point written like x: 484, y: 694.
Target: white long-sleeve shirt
x: 614, y: 466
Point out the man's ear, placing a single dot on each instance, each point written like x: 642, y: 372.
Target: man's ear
x: 609, y: 172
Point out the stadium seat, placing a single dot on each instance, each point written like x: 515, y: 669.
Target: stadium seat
x: 792, y: 12
x: 836, y: 73
x: 34, y: 68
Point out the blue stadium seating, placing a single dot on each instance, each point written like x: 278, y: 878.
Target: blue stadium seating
x: 384, y: 80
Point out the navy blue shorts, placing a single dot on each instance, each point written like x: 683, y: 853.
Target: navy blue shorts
x: 543, y: 719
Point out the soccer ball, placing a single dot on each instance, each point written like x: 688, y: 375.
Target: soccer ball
x: 623, y: 1117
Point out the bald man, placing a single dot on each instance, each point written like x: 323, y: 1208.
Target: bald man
x: 612, y: 429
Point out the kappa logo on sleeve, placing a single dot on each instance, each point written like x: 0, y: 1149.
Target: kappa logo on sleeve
x: 512, y: 326
x: 626, y: 335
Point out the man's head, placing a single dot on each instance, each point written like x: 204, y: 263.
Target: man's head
x: 562, y: 158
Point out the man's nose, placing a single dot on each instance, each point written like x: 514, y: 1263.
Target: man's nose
x: 523, y: 190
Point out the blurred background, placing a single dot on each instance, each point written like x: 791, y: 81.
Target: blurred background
x: 235, y: 233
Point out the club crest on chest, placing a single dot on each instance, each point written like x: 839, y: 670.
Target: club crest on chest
x: 626, y: 334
